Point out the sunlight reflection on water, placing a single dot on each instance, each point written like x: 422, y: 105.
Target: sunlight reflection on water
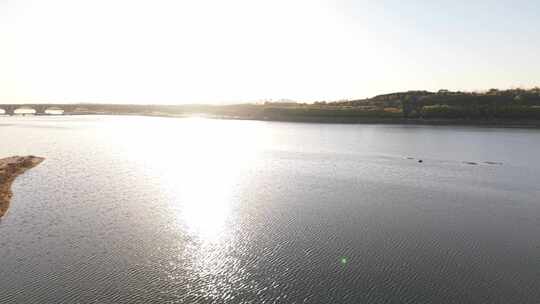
x: 201, y: 163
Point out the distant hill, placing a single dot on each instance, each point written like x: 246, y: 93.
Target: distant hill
x: 511, y: 104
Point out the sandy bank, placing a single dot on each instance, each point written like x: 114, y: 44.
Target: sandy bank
x: 10, y: 168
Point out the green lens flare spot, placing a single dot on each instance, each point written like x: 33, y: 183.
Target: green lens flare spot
x: 343, y: 260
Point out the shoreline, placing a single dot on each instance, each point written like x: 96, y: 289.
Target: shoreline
x: 495, y: 123
x: 10, y: 168
x: 498, y: 123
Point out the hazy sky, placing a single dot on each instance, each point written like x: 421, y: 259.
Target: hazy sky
x: 184, y: 51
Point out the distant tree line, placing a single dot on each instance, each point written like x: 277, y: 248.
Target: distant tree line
x: 493, y: 104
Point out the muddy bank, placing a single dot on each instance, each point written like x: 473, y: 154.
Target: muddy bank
x: 10, y: 168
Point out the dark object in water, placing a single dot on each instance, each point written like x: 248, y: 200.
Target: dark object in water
x: 470, y: 163
x: 420, y: 161
x: 492, y: 163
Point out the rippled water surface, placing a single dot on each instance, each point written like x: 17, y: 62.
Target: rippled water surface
x: 161, y: 210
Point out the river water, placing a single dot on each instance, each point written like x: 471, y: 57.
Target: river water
x: 164, y: 210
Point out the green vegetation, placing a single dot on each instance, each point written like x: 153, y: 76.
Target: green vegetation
x: 493, y: 104
x: 329, y: 111
x: 516, y: 105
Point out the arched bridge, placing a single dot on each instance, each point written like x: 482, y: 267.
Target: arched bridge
x: 40, y: 109
x: 132, y: 109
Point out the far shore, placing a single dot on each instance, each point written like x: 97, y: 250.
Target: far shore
x: 393, y: 121
x: 497, y: 123
x: 512, y: 108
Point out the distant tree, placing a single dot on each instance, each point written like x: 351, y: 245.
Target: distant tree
x: 411, y: 106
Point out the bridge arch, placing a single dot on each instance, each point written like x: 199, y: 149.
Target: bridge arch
x: 8, y: 109
x: 53, y: 111
x: 25, y: 110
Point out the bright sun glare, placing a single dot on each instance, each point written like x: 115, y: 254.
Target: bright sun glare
x: 202, y: 161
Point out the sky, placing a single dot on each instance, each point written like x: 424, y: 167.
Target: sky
x: 216, y: 51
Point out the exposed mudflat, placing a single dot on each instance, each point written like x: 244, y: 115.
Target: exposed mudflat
x: 10, y: 168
